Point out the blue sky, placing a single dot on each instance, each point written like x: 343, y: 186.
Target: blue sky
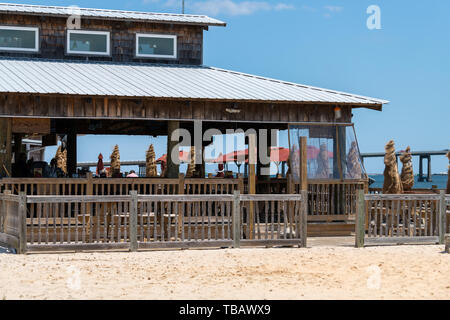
x: 327, y: 44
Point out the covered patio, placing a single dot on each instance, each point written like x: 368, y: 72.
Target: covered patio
x: 136, y: 99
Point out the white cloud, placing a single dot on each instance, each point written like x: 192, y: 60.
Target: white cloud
x: 230, y: 7
x: 334, y: 9
x: 330, y: 10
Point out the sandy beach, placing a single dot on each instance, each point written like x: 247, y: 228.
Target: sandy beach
x: 396, y: 272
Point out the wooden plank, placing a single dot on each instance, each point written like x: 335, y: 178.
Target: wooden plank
x: 447, y: 243
x: 77, y: 247
x: 186, y: 244
x: 303, y: 164
x: 236, y: 220
x: 303, y: 218
x: 442, y: 213
x: 10, y: 241
x: 402, y: 240
x: 133, y: 221
x: 271, y: 197
x: 401, y: 197
x: 360, y: 220
x: 271, y: 243
x: 31, y: 126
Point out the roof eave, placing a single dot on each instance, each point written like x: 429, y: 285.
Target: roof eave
x: 211, y: 24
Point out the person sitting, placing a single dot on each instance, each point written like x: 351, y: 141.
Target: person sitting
x: 20, y: 167
x: 54, y: 171
x: 132, y: 174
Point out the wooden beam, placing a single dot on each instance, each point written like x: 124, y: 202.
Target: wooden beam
x: 303, y: 164
x: 5, y: 147
x: 72, y: 153
x: 173, y: 169
x: 251, y: 178
x: 30, y: 126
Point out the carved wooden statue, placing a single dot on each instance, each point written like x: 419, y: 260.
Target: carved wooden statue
x: 407, y: 175
x: 392, y: 183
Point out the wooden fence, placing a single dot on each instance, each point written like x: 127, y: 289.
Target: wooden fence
x: 133, y: 222
x: 120, y: 186
x: 328, y: 200
x: 401, y: 219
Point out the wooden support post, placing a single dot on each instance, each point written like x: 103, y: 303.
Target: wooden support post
x: 173, y: 169
x: 447, y: 243
x: 240, y: 183
x: 133, y: 221
x: 442, y: 216
x: 303, y: 164
x: 236, y: 219
x: 5, y: 147
x: 17, y: 146
x: 360, y: 219
x: 304, y: 219
x: 180, y: 211
x: 89, y: 192
x: 251, y: 180
x: 22, y: 223
x: 71, y: 153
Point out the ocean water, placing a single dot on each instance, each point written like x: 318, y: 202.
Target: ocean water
x: 438, y: 180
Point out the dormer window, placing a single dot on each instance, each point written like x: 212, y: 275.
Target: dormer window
x: 83, y: 42
x: 156, y: 46
x: 19, y: 39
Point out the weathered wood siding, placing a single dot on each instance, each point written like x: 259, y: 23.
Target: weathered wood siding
x: 53, y: 38
x: 104, y: 108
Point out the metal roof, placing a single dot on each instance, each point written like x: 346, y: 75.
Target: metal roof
x: 9, y: 8
x: 38, y: 76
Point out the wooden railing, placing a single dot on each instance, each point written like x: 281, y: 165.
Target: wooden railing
x: 120, y: 186
x: 403, y: 218
x: 102, y: 222
x: 328, y: 200
x: 12, y: 221
x: 273, y: 219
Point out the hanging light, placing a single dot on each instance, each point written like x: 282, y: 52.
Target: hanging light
x: 234, y: 109
x: 337, y: 113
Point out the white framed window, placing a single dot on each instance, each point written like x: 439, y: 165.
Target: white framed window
x: 14, y: 38
x: 156, y: 46
x: 88, y: 42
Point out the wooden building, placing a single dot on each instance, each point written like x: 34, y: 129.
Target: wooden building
x: 132, y: 73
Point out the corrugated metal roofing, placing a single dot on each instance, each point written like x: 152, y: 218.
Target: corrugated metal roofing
x: 9, y: 8
x: 37, y: 76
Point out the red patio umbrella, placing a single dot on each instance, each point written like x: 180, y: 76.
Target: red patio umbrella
x: 100, y: 166
x: 184, y: 157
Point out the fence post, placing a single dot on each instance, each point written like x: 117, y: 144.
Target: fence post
x: 236, y: 219
x: 22, y: 222
x: 2, y: 213
x: 133, y: 221
x: 360, y: 219
x: 442, y: 218
x: 304, y: 218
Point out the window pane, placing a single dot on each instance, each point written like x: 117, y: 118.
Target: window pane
x: 157, y: 46
x: 24, y: 39
x: 83, y: 42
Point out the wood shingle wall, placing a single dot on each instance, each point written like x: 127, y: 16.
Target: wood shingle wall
x: 52, y: 32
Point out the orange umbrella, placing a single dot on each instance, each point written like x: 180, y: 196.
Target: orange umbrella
x: 184, y: 157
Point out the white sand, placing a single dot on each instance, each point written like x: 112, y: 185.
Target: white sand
x: 405, y: 272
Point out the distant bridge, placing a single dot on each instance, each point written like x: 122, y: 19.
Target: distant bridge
x: 421, y: 154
